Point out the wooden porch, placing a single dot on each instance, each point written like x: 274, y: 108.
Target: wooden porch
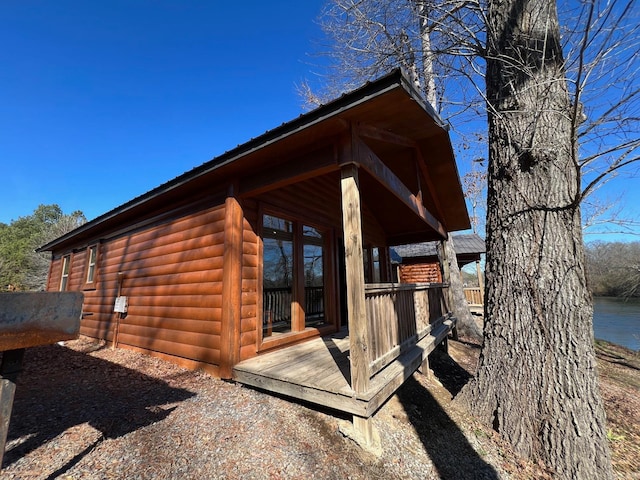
x: 408, y: 322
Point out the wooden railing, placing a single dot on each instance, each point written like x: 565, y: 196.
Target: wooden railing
x: 473, y: 295
x: 277, y: 306
x: 314, y: 301
x: 399, y: 316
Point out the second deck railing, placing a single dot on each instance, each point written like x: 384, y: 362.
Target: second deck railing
x: 473, y: 295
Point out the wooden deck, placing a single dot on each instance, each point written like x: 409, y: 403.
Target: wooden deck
x: 318, y: 371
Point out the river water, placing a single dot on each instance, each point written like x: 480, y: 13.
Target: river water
x: 617, y: 321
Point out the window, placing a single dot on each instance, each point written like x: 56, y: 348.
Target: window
x: 92, y: 256
x: 313, y: 248
x: 375, y: 263
x: 66, y: 266
x: 294, y: 256
x: 372, y: 264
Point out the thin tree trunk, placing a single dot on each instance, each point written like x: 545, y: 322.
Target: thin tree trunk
x: 466, y: 325
x: 536, y: 381
x: 428, y: 73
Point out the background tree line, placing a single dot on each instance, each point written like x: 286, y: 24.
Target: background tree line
x: 21, y: 267
x: 614, y: 268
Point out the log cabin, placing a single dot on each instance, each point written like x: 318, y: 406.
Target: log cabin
x: 420, y: 263
x: 270, y: 264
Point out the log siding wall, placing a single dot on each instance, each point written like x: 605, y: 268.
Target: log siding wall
x: 172, y: 277
x: 420, y: 273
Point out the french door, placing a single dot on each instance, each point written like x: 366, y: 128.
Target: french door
x: 294, y: 276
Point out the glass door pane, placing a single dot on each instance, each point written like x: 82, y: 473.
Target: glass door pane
x: 313, y: 248
x: 277, y: 275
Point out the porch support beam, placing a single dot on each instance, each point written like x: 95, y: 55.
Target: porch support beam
x: 357, y: 317
x: 431, y: 190
x: 303, y: 167
x: 365, y: 157
x: 375, y: 133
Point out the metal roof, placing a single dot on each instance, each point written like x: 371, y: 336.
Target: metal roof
x: 464, y: 244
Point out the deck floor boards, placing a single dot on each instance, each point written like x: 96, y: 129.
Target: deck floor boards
x: 318, y: 371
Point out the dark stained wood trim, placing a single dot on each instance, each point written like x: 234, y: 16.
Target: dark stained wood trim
x: 345, y: 149
x: 231, y: 287
x: 383, y: 174
x: 297, y: 309
x: 260, y: 285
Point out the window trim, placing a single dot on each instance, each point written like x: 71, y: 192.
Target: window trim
x: 65, y: 273
x: 91, y: 268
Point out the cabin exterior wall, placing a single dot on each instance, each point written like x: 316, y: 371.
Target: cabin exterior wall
x: 171, y: 275
x: 315, y: 202
x: 423, y: 272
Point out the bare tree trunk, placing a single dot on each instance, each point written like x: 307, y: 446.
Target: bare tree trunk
x: 466, y: 325
x: 536, y: 382
x: 429, y: 87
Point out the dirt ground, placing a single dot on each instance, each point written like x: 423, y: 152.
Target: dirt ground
x: 83, y: 411
x: 619, y: 370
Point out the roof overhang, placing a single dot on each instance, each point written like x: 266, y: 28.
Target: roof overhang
x: 390, y: 105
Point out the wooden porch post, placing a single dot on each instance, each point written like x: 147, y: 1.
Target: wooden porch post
x: 357, y: 317
x: 231, y: 286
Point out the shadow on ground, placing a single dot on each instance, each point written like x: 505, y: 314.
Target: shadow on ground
x: 450, y: 373
x: 451, y: 453
x: 52, y: 397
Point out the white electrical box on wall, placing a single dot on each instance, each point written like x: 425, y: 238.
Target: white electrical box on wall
x: 120, y: 305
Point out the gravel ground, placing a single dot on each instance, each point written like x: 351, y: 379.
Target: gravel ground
x: 83, y: 411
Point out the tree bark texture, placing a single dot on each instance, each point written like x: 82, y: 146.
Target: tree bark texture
x: 465, y: 324
x: 536, y: 381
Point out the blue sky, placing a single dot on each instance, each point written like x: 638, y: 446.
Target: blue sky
x: 103, y: 101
